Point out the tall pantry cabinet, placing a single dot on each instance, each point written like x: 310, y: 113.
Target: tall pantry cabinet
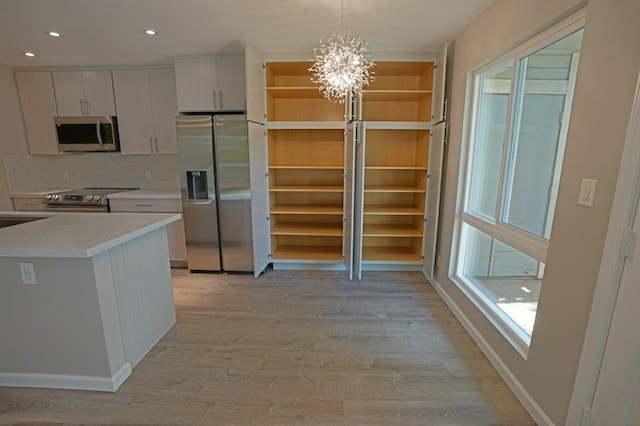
x: 348, y: 190
x: 308, y: 180
x: 394, y: 117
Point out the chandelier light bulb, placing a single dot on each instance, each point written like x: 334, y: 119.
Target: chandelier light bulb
x: 341, y: 67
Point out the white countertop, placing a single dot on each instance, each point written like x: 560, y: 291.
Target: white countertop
x: 171, y: 194
x: 34, y: 193
x: 76, y: 234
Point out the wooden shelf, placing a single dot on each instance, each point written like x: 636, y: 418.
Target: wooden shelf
x: 306, y: 209
x: 424, y: 168
x: 311, y: 253
x: 391, y: 188
x: 393, y: 210
x: 302, y: 92
x: 316, y: 229
x: 399, y: 125
x: 308, y: 167
x: 395, y: 95
x: 399, y: 68
x: 305, y: 125
x: 397, y: 254
x: 306, y: 188
x: 386, y: 230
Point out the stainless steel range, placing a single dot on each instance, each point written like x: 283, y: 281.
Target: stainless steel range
x: 81, y: 200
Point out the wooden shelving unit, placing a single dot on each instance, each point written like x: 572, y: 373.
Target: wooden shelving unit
x: 291, y: 95
x: 306, y: 167
x: 401, y: 91
x: 396, y: 109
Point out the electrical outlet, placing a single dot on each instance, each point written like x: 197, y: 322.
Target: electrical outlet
x: 28, y: 273
x: 65, y: 174
x: 148, y: 174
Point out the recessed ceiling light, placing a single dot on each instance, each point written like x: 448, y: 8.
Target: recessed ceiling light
x: 30, y: 54
x: 54, y: 34
x: 150, y: 32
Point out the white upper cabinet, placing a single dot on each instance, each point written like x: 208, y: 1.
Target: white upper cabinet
x: 439, y: 99
x: 164, y: 108
x: 146, y: 101
x: 256, y: 86
x: 38, y: 109
x: 84, y: 93
x: 231, y: 82
x: 211, y: 83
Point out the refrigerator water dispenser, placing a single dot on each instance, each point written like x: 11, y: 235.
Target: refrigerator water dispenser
x: 197, y: 185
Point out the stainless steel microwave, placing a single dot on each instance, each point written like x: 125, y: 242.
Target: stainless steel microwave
x: 87, y: 133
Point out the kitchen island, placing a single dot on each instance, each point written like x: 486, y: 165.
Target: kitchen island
x: 102, y: 297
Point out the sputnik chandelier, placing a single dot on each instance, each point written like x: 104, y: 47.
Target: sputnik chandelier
x: 341, y: 66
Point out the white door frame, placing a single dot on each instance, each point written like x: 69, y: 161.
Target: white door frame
x: 610, y: 275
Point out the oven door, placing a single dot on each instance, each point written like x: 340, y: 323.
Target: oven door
x: 73, y: 209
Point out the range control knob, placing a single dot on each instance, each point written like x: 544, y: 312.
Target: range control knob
x: 96, y: 198
x: 55, y: 196
x: 47, y: 197
x: 89, y: 197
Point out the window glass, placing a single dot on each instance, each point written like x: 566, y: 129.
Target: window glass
x: 508, y: 278
x: 537, y: 148
x: 517, y: 138
x: 493, y: 88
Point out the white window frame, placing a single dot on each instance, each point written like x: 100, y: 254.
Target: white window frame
x: 523, y: 241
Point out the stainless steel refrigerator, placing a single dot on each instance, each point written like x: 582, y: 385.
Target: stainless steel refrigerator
x: 213, y: 162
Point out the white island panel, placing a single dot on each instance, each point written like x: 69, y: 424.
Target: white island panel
x: 102, y: 300
x: 63, y: 331
x: 144, y: 293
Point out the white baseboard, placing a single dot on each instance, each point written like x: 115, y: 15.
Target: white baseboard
x: 63, y: 381
x: 391, y: 266
x: 510, y: 379
x: 307, y: 266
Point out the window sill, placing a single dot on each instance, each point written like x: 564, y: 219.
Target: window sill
x: 517, y: 337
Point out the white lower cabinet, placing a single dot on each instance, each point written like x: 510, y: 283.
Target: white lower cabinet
x: 175, y: 230
x: 29, y: 204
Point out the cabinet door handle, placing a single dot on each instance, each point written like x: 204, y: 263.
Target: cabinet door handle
x: 144, y: 205
x: 156, y: 144
x: 221, y: 104
x: 99, y: 134
x: 82, y: 107
x: 86, y: 103
x: 151, y: 144
x: 215, y: 100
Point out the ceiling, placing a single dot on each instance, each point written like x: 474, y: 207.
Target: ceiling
x: 111, y: 32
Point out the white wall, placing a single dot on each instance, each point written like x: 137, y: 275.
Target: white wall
x: 30, y: 173
x: 610, y: 60
x: 13, y: 139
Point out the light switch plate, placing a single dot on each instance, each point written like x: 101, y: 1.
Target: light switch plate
x: 588, y: 192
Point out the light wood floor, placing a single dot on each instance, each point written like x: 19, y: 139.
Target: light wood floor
x: 295, y: 348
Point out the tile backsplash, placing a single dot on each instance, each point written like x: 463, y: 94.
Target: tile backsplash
x: 32, y: 173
